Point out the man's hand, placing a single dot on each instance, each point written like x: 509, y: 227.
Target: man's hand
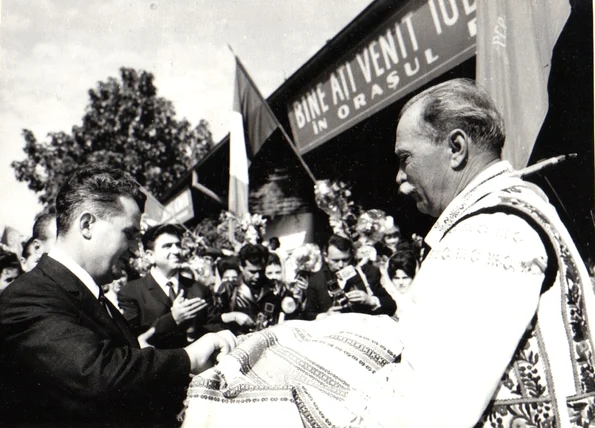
x: 363, y: 298
x: 185, y: 309
x: 202, y: 353
x: 144, y: 337
x: 239, y: 318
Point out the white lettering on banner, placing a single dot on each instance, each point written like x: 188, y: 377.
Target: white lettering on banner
x: 435, y: 18
x: 472, y: 27
x: 393, y: 80
x: 319, y: 125
x: 452, y: 18
x: 310, y: 107
x: 321, y: 97
x: 422, y: 38
x: 375, y: 57
x: 388, y: 49
x: 499, y: 38
x: 343, y: 111
x: 470, y: 6
x: 401, y: 41
x: 376, y: 90
x: 299, y: 114
x: 409, y: 70
x: 343, y: 81
x: 409, y: 24
x: 359, y: 101
x: 337, y: 91
x: 430, y: 57
x: 351, y: 79
x: 365, y: 65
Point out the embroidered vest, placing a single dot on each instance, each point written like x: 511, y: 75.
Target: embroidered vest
x: 526, y: 395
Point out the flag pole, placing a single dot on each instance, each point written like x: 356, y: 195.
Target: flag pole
x: 281, y: 128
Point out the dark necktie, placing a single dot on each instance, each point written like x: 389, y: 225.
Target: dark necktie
x: 171, y: 292
x: 103, y: 301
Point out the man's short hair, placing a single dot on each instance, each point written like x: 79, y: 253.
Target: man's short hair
x: 403, y: 260
x: 341, y: 243
x: 460, y: 103
x: 273, y: 260
x: 228, y: 263
x: 274, y: 243
x: 255, y: 254
x: 27, y: 247
x: 97, y: 189
x: 155, y: 232
x: 41, y: 227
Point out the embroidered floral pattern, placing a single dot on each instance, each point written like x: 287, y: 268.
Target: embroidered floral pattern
x: 525, y: 379
x: 583, y: 348
x: 530, y: 414
x: 582, y: 412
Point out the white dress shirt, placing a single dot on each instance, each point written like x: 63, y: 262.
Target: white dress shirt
x: 162, y: 280
x: 64, y: 259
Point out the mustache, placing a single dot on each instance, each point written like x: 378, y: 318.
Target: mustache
x: 406, y: 189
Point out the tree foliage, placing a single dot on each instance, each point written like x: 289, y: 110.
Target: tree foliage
x: 125, y: 125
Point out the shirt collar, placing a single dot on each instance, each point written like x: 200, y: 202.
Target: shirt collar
x: 162, y: 280
x: 474, y: 191
x: 64, y: 259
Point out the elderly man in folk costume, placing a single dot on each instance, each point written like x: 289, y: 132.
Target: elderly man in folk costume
x: 501, y: 329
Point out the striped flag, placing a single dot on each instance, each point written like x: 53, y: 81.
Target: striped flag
x: 251, y: 124
x: 514, y: 53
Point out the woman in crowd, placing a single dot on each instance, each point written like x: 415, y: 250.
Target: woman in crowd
x: 273, y: 270
x: 401, y: 271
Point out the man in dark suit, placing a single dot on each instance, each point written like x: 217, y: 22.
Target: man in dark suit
x: 67, y: 356
x: 175, y: 305
x: 360, y: 285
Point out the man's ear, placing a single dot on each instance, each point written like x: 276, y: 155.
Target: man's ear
x: 87, y: 222
x: 458, y: 144
x: 149, y: 255
x: 37, y: 247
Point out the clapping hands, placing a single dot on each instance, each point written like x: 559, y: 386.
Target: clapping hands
x: 184, y: 309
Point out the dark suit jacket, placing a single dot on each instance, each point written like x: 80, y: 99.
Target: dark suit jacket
x: 318, y: 299
x: 145, y: 305
x: 66, y: 362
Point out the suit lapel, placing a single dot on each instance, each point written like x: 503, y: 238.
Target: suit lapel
x: 87, y: 302
x: 156, y: 291
x: 123, y: 325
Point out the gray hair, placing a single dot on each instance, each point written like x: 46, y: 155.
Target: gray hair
x: 460, y: 103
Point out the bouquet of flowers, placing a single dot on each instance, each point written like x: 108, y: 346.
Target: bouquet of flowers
x: 239, y: 231
x: 334, y: 198
x: 306, y: 259
x: 371, y: 226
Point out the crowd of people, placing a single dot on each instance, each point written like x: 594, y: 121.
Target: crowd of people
x: 487, y: 322
x: 255, y: 288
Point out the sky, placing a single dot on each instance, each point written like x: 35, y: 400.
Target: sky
x: 53, y: 51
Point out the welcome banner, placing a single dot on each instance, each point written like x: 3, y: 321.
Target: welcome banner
x: 417, y: 43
